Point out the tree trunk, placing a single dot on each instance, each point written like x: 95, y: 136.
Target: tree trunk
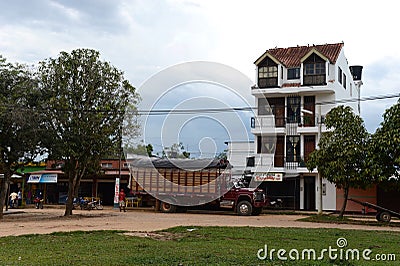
x: 74, y: 180
x: 70, y: 199
x: 3, y: 192
x: 5, y: 183
x: 70, y: 170
x: 346, y: 195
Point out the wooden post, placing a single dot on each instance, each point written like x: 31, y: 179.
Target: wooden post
x: 157, y: 207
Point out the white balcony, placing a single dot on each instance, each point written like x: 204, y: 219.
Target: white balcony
x: 265, y: 163
x: 317, y: 89
x: 266, y: 125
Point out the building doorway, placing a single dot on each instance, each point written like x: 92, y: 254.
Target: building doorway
x: 106, y: 191
x: 287, y: 190
x: 309, y: 193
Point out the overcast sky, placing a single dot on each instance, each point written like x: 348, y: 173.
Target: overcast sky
x: 142, y: 37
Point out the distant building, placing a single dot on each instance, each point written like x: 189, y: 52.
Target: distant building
x: 54, y: 183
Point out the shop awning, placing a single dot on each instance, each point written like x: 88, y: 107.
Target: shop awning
x: 13, y: 176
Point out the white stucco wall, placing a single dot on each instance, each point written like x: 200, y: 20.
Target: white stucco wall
x: 342, y: 93
x: 238, y: 151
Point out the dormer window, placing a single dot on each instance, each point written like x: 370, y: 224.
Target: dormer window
x: 293, y: 73
x: 267, y: 74
x: 314, y: 70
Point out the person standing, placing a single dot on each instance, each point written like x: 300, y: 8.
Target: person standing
x: 19, y: 197
x: 13, y: 199
x: 29, y: 197
x: 121, y: 200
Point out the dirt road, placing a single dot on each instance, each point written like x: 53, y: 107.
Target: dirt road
x: 48, y: 220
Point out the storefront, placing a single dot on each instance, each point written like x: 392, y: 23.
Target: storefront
x: 45, y: 182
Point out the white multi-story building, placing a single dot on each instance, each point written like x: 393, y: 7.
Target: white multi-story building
x: 295, y: 88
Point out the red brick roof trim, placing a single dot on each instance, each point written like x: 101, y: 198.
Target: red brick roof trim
x: 287, y: 85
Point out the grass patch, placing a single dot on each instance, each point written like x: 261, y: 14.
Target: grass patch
x: 190, y: 246
x: 345, y: 220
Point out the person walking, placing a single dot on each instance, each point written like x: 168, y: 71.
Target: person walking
x: 13, y: 200
x: 121, y: 199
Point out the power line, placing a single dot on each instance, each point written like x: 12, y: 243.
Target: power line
x: 253, y: 108
x: 155, y: 112
x: 362, y: 99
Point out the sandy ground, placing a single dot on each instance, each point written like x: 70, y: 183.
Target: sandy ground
x: 48, y: 220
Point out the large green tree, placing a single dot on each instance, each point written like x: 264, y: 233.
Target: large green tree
x: 385, y: 146
x: 140, y: 149
x: 341, y: 153
x: 85, y: 112
x: 20, y: 121
x: 177, y: 150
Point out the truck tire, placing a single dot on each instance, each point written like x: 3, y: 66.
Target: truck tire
x: 167, y: 207
x: 244, y: 208
x: 378, y: 216
x: 385, y: 217
x: 257, y: 211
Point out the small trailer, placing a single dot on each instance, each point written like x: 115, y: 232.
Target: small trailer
x: 382, y: 215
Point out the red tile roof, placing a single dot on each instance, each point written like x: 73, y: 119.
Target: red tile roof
x: 290, y: 57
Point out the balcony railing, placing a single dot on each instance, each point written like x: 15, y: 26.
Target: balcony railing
x: 314, y: 80
x: 270, y: 121
x: 267, y: 82
x: 271, y: 160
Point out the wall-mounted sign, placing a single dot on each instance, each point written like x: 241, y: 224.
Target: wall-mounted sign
x: 261, y: 177
x: 42, y: 178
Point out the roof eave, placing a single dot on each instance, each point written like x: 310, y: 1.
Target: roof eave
x: 262, y: 57
x: 313, y: 50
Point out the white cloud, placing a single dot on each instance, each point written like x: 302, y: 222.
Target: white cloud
x: 141, y: 36
x: 380, y: 78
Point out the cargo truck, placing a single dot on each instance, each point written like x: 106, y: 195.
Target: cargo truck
x: 180, y: 184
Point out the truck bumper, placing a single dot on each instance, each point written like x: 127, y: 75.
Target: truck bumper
x: 260, y: 204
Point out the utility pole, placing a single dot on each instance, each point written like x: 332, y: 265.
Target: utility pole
x: 319, y: 121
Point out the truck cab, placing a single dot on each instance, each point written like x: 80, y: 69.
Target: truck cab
x: 244, y: 200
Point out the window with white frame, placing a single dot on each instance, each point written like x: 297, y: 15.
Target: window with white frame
x: 293, y: 73
x: 293, y: 109
x: 106, y: 165
x: 340, y: 73
x: 266, y: 144
x: 344, y: 80
x: 268, y: 72
x: 263, y: 107
x: 292, y: 148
